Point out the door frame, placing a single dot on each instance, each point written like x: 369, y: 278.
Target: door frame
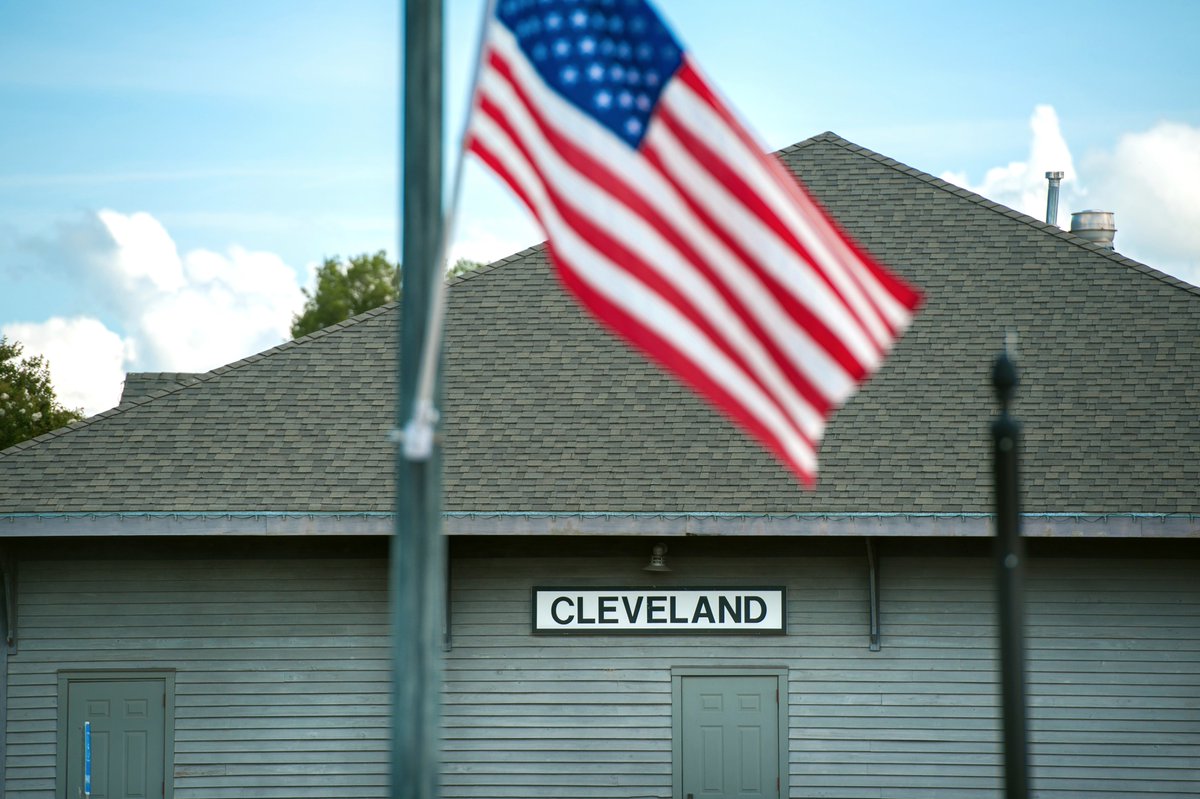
x: 66, y: 677
x: 679, y: 672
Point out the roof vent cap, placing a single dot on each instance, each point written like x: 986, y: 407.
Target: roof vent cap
x: 1099, y: 227
x: 1055, y: 179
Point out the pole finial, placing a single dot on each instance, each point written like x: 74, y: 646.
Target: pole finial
x: 1004, y: 371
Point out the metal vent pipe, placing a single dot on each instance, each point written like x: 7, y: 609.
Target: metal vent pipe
x: 1055, y: 178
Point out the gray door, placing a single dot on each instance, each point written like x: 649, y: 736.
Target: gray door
x: 730, y: 732
x: 127, y: 721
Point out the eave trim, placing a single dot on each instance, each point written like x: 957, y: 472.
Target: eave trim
x: 818, y: 525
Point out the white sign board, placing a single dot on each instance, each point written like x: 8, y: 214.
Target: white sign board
x: 653, y: 610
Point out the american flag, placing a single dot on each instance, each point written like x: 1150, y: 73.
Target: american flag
x: 666, y: 219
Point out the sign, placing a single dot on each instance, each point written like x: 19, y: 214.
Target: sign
x: 677, y: 610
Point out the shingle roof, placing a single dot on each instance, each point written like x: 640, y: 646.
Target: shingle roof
x: 142, y: 384
x: 546, y: 413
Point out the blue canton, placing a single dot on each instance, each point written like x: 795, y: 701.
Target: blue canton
x: 609, y: 58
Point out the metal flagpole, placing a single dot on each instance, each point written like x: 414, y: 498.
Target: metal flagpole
x: 419, y: 429
x: 418, y: 564
x: 1010, y: 564
x: 418, y: 574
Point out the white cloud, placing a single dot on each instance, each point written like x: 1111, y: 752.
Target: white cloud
x: 87, y: 360
x: 1022, y: 185
x: 1150, y: 180
x: 188, y: 313
x: 144, y: 252
x: 196, y: 311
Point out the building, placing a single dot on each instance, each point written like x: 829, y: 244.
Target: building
x: 200, y: 572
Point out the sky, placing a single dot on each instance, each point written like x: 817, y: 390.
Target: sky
x: 171, y: 174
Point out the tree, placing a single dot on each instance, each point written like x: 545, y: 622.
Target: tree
x: 461, y: 267
x: 342, y: 291
x: 28, y: 406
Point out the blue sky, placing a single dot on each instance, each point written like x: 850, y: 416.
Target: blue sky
x: 170, y: 173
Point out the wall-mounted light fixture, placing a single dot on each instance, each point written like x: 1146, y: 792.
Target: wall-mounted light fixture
x: 658, y: 559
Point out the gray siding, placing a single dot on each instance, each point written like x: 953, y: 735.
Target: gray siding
x: 281, y: 668
x: 1115, y: 678
x: 1114, y: 669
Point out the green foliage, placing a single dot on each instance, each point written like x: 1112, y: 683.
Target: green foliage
x: 344, y: 290
x: 28, y: 406
x: 461, y: 267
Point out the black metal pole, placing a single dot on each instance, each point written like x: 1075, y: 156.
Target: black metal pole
x: 417, y: 579
x: 1010, y: 561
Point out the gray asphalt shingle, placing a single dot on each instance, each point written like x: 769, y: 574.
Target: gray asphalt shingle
x: 545, y: 412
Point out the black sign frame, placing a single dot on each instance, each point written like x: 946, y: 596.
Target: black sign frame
x: 782, y: 629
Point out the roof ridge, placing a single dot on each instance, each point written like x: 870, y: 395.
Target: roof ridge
x: 828, y: 135
x: 493, y: 265
x: 179, y: 375
x: 199, y: 379
x: 325, y: 331
x: 999, y: 208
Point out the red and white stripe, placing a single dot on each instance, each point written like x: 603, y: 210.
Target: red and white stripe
x: 697, y: 248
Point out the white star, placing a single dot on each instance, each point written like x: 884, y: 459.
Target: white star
x: 616, y: 72
x: 595, y: 72
x: 603, y: 99
x: 643, y: 102
x: 562, y: 48
x: 579, y: 18
x: 587, y: 45
x: 553, y: 21
x: 624, y: 99
x: 633, y: 126
x: 570, y: 75
x: 651, y: 78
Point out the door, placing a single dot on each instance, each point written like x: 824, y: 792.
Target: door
x: 730, y: 737
x: 127, y: 719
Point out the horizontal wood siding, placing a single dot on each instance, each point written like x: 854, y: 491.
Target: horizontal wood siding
x: 282, y: 673
x: 282, y: 670
x: 1114, y: 667
x: 1115, y: 678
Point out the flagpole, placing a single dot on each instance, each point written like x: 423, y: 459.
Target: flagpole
x: 1010, y: 565
x: 417, y: 574
x: 422, y: 422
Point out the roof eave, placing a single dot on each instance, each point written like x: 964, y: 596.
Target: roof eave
x: 486, y: 523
